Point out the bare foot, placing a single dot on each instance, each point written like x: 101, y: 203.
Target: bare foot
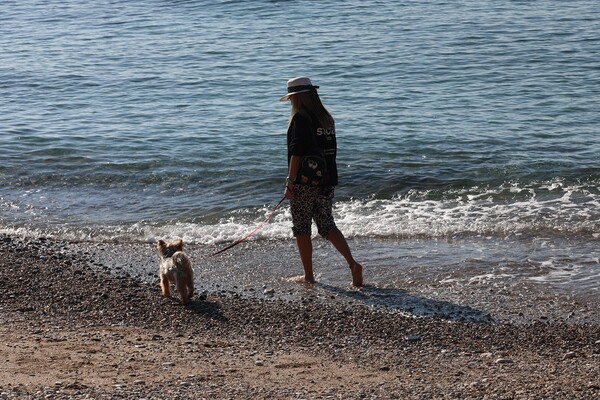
x: 301, y: 279
x: 357, y: 277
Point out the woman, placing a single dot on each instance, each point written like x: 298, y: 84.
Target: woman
x: 311, y: 180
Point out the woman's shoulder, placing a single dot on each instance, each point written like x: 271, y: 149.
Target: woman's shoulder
x: 302, y: 118
x: 302, y: 115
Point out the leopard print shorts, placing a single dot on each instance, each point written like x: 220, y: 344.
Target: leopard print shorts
x: 312, y: 203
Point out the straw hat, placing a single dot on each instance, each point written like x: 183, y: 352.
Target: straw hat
x: 297, y: 85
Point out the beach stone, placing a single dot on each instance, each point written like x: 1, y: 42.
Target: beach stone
x: 335, y: 327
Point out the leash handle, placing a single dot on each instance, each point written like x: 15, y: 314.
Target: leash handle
x: 259, y: 227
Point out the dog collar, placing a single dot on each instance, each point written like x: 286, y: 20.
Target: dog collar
x: 169, y: 253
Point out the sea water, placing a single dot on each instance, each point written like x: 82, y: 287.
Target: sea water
x: 468, y: 131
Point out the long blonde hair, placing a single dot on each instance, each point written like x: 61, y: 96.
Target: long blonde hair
x: 311, y: 102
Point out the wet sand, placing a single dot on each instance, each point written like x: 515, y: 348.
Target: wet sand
x: 73, y: 328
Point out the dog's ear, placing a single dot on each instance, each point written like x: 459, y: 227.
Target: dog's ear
x: 178, y: 244
x: 162, y: 246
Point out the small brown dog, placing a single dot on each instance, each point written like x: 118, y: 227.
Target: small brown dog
x: 175, y: 268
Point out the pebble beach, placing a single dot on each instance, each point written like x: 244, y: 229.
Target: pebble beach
x: 69, y: 331
x: 469, y: 191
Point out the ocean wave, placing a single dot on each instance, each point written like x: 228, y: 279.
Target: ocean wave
x: 550, y: 208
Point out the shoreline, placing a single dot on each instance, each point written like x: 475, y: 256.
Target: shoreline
x: 70, y: 331
x: 398, y: 277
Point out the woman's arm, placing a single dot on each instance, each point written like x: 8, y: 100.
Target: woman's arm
x: 291, y: 178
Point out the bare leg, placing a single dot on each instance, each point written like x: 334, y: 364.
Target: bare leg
x: 304, y: 243
x: 339, y: 242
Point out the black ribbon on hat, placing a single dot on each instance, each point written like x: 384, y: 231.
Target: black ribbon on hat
x: 300, y: 88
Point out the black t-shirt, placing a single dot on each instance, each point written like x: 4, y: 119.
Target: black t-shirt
x: 301, y: 135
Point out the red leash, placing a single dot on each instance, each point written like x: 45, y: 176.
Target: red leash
x: 266, y: 221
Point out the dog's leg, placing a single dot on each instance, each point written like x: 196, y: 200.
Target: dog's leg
x: 190, y: 284
x: 164, y: 285
x: 190, y: 289
x: 182, y: 289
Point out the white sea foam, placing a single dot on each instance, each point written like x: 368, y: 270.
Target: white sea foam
x: 495, y: 212
x: 406, y: 217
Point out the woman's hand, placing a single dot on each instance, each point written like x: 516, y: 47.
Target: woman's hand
x: 288, y: 193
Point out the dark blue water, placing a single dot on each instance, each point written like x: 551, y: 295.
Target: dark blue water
x: 134, y: 120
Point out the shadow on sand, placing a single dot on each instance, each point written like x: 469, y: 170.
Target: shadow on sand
x: 392, y: 299
x: 403, y: 301
x: 200, y: 305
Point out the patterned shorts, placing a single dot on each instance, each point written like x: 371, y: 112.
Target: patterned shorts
x: 312, y: 203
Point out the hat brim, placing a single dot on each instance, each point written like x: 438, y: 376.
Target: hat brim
x: 287, y: 96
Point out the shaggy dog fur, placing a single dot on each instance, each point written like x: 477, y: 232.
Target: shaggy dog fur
x: 175, y: 268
